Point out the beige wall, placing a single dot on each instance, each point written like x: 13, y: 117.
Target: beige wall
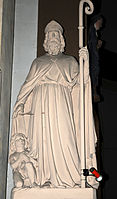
x: 6, y: 55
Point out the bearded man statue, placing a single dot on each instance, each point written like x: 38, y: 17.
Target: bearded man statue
x: 47, y: 111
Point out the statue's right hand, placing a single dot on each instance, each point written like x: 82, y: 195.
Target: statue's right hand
x: 18, y: 110
x: 24, y: 157
x: 22, y: 165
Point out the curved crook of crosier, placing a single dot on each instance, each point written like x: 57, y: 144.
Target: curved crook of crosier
x: 88, y: 10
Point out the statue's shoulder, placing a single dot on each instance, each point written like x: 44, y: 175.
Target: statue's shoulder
x: 14, y: 155
x: 69, y: 58
x: 41, y: 59
x: 38, y: 59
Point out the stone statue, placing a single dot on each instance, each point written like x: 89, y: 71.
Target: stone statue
x: 47, y: 111
x: 24, y: 173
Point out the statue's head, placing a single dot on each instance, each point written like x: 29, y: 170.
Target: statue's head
x: 18, y: 141
x: 98, y: 24
x: 97, y: 20
x: 54, y: 41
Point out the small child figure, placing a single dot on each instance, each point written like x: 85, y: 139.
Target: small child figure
x: 24, y: 173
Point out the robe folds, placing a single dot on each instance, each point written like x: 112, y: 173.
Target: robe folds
x: 51, y: 120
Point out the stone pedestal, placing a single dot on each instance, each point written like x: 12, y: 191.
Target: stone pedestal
x: 46, y: 193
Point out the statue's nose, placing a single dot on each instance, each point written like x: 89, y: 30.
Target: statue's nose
x: 53, y: 34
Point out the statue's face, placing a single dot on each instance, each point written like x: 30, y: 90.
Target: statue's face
x: 99, y: 23
x: 20, y: 143
x: 54, y: 42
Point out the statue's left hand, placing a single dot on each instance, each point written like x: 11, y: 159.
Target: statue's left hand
x: 22, y: 165
x: 83, y: 52
x: 18, y: 110
x: 99, y: 44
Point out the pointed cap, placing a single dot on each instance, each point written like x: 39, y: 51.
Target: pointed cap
x: 53, y: 26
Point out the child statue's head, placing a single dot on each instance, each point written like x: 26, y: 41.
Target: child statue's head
x: 18, y: 141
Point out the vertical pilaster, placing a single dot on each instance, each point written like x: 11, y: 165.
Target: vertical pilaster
x: 7, y: 9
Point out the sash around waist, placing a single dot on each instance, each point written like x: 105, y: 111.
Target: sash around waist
x: 65, y: 84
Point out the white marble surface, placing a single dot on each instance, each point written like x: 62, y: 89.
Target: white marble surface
x: 35, y: 193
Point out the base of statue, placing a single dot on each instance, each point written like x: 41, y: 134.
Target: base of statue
x: 53, y: 193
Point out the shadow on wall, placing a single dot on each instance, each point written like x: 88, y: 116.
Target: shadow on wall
x: 108, y: 61
x: 108, y: 124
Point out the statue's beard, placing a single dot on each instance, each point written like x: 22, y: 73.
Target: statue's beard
x: 53, y: 47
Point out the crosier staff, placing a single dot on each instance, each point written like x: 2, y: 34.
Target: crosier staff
x: 88, y: 10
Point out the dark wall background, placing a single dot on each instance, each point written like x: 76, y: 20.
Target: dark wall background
x: 108, y: 120
x: 107, y: 108
x: 109, y: 51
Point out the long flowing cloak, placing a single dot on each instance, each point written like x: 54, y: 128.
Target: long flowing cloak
x: 51, y: 119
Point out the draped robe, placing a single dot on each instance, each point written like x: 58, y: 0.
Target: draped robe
x: 51, y: 119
